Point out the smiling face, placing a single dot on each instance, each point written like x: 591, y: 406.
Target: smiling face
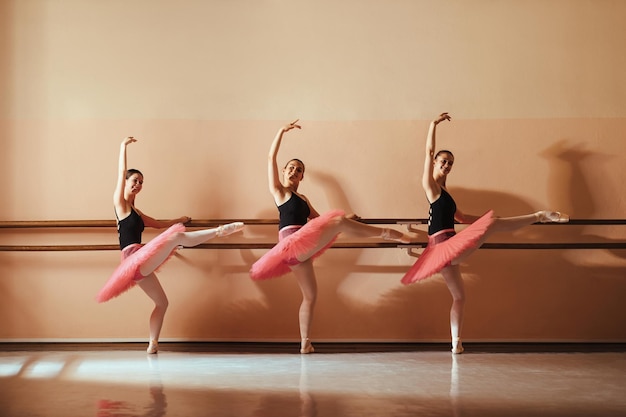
x: 293, y: 173
x: 443, y: 162
x: 134, y: 182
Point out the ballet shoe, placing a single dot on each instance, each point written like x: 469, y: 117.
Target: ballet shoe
x: 308, y: 347
x: 229, y: 229
x: 153, y: 347
x: 553, y: 217
x: 457, y: 346
x: 386, y: 235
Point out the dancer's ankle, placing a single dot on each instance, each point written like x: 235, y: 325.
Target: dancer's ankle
x: 457, y: 346
x: 153, y: 346
x: 306, y: 346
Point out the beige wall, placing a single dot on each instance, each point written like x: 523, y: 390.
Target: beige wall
x: 538, y: 97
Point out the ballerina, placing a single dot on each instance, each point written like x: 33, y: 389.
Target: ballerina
x: 304, y: 234
x: 139, y: 262
x: 446, y: 249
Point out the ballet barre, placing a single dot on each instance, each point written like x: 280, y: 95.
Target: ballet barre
x: 44, y: 224
x: 242, y: 246
x: 60, y: 224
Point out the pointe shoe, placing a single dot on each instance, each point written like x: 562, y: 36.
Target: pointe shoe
x: 553, y: 217
x: 308, y: 347
x: 153, y: 347
x: 229, y: 229
x: 386, y: 235
x: 457, y: 347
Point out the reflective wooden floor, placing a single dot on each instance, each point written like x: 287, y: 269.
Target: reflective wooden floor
x: 121, y: 380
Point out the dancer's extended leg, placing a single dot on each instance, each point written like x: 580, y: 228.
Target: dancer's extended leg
x: 152, y: 287
x: 186, y: 239
x: 455, y: 284
x: 308, y: 285
x: 341, y: 224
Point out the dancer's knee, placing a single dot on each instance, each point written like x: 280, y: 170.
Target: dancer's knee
x: 178, y: 237
x: 161, y: 303
x: 458, y: 300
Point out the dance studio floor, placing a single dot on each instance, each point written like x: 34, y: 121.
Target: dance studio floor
x: 257, y: 380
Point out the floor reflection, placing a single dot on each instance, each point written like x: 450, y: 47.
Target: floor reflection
x: 158, y: 401
x: 424, y: 383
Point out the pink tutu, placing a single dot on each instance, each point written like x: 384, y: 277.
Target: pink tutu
x: 445, y: 246
x: 277, y: 261
x: 127, y: 273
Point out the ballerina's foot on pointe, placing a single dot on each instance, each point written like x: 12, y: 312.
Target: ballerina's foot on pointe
x: 552, y: 217
x: 229, y: 229
x: 153, y: 347
x: 395, y: 235
x: 306, y: 346
x: 457, y: 346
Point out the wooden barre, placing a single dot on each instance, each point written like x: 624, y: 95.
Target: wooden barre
x: 536, y: 246
x: 44, y: 224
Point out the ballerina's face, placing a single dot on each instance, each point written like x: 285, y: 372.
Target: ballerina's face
x: 134, y: 183
x: 293, y: 172
x: 443, y: 162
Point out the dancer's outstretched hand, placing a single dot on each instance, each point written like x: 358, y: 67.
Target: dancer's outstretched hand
x: 442, y: 117
x: 291, y: 125
x: 129, y: 139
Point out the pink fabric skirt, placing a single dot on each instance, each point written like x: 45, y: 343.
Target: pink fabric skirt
x: 127, y: 273
x: 446, y: 246
x: 293, y: 241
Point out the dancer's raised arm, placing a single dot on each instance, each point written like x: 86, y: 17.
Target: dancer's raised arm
x: 122, y: 207
x: 275, y: 185
x: 429, y: 183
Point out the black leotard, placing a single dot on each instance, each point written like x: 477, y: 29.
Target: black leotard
x: 294, y: 211
x: 130, y: 228
x: 441, y: 215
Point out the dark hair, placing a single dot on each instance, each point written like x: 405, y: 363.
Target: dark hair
x: 296, y: 159
x: 444, y: 151
x: 132, y: 171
